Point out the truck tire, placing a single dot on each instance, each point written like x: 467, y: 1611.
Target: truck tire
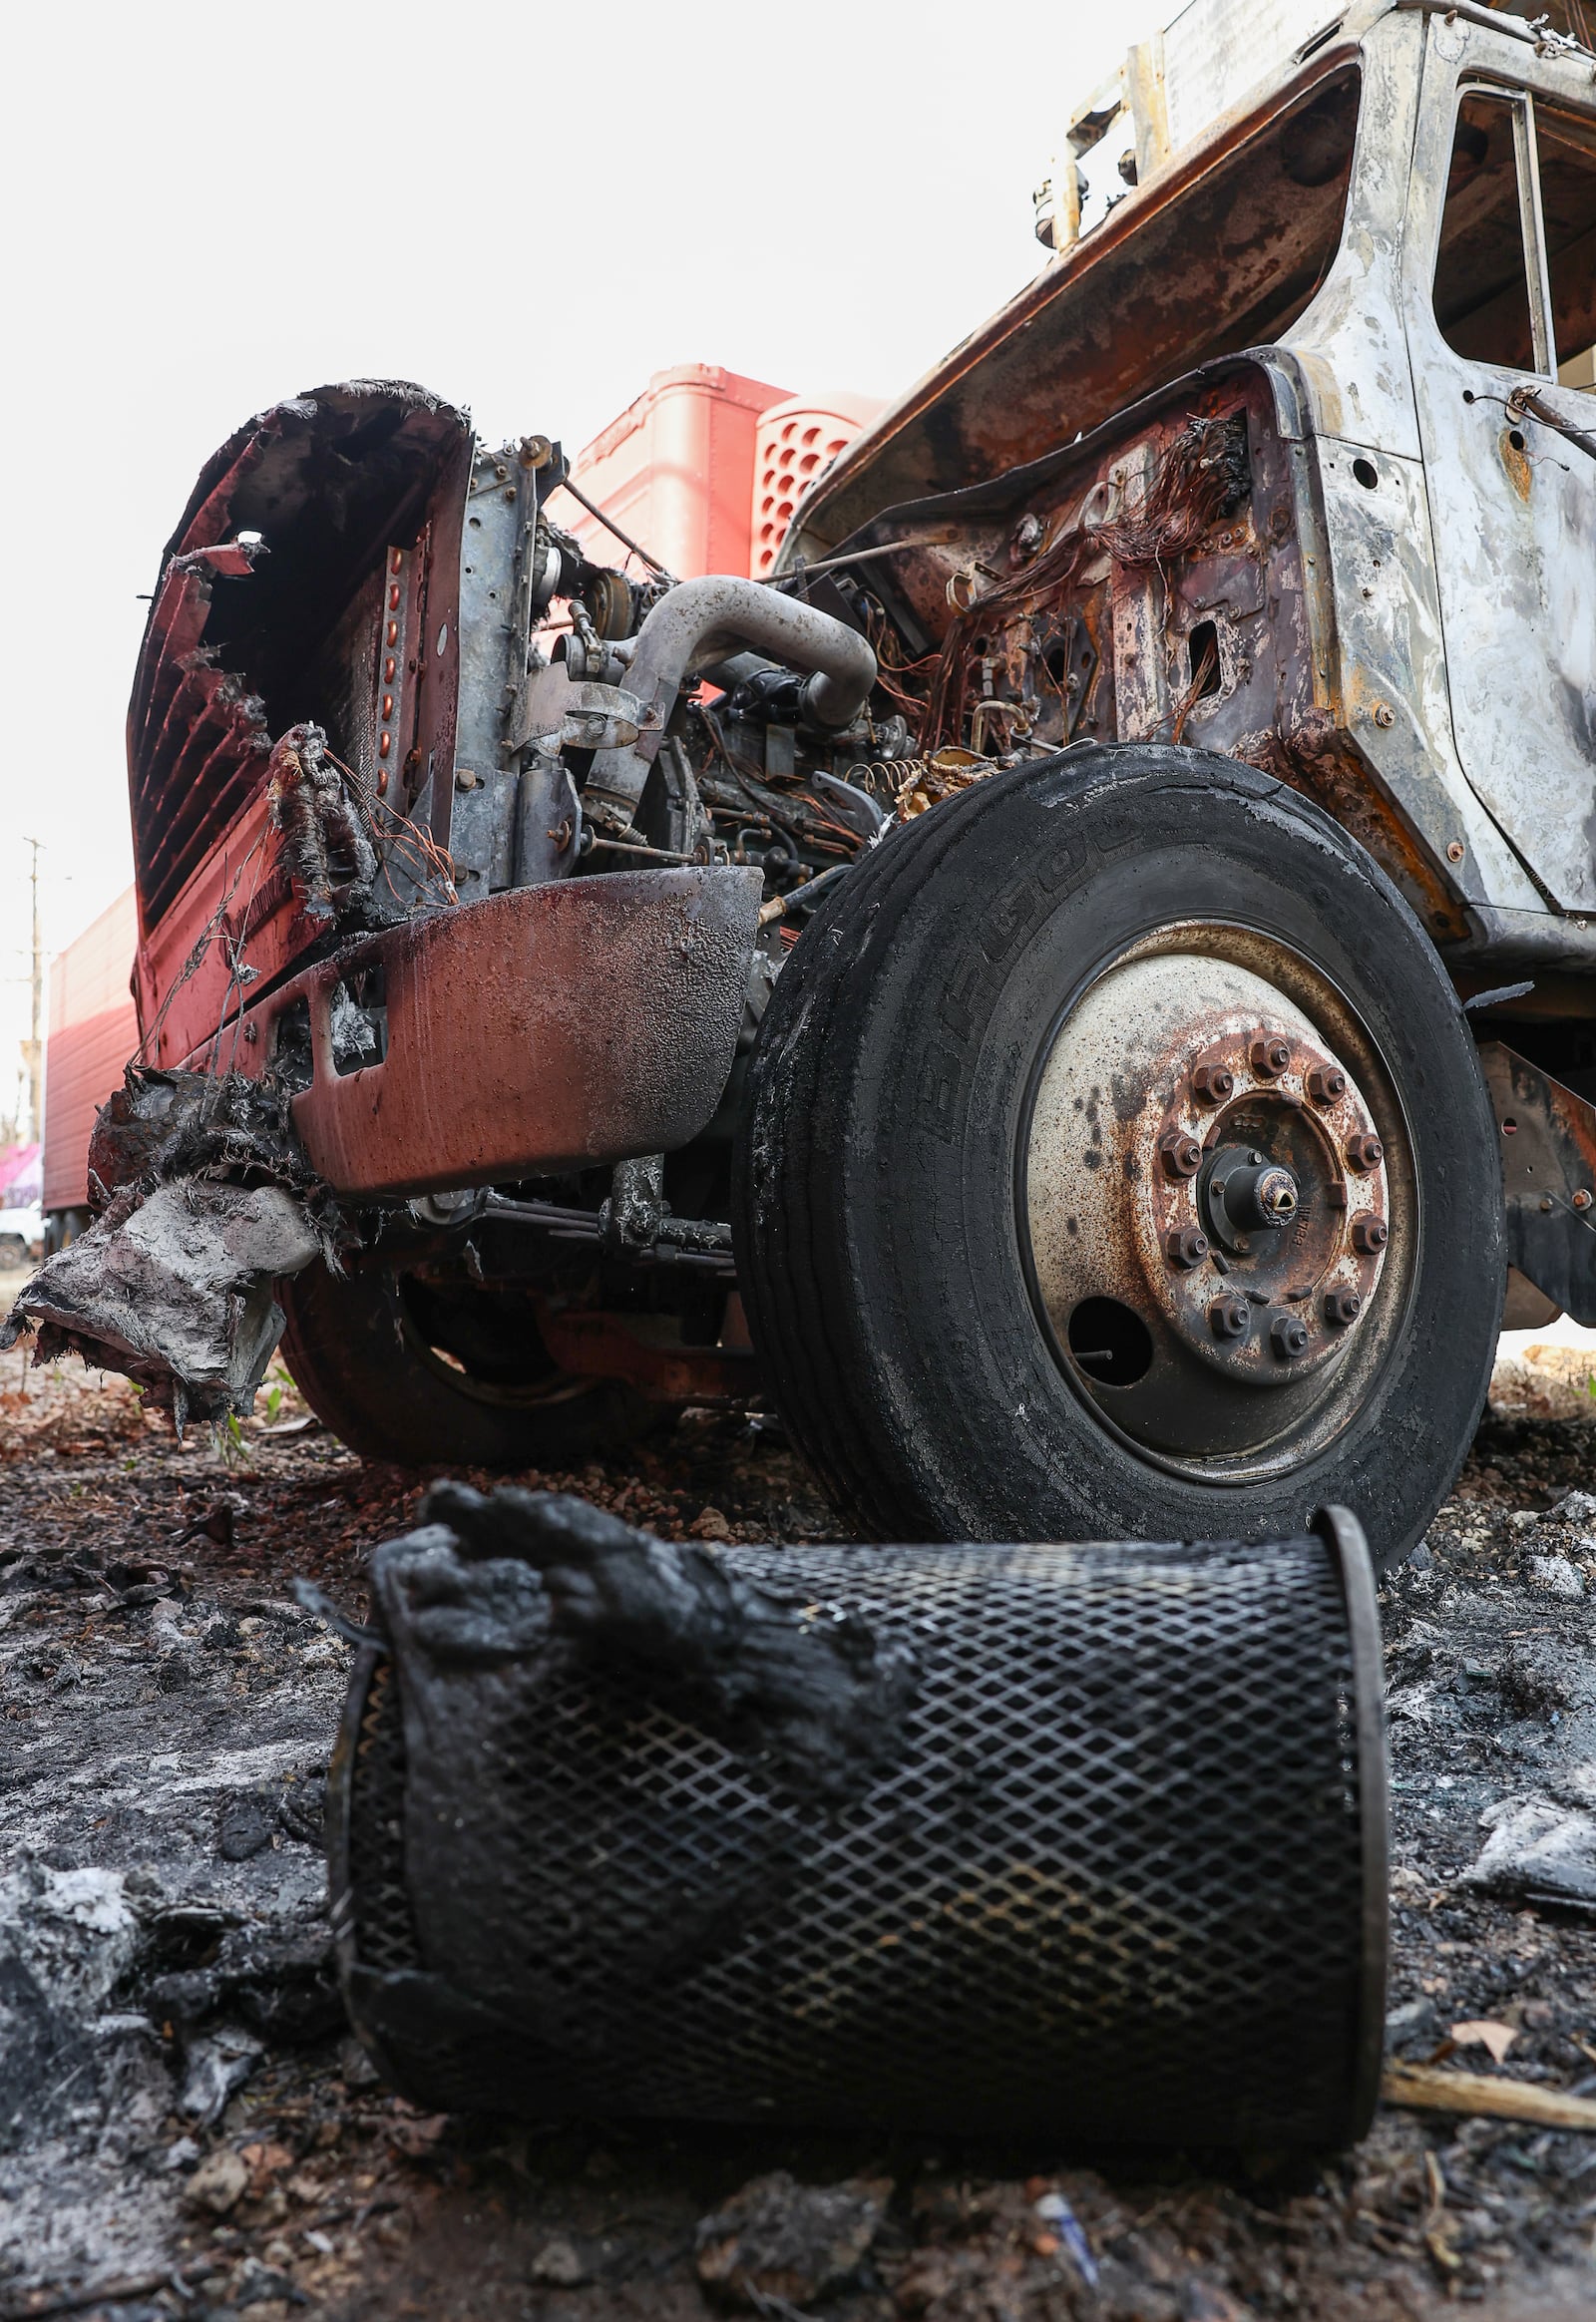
x: 397, y: 1378
x: 1118, y: 1163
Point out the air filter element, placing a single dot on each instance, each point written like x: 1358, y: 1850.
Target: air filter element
x: 1081, y: 1841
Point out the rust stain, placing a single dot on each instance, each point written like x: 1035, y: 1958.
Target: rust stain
x: 587, y: 1343
x: 570, y: 1023
x: 1516, y: 461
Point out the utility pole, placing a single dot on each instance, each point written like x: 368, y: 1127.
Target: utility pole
x: 33, y: 1046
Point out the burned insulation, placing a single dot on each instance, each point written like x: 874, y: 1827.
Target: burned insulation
x: 205, y: 1198
x: 315, y: 803
x: 1079, y: 1839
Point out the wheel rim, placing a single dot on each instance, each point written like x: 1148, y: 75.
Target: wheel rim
x: 1217, y: 1202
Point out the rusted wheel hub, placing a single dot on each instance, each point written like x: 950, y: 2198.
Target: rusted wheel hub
x: 1209, y: 1202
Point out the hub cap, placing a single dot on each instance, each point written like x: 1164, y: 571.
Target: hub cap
x: 1210, y: 1206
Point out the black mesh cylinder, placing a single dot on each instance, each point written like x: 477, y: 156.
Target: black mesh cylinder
x: 1117, y: 1872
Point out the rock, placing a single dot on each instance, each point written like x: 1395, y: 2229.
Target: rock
x: 355, y: 2065
x: 930, y: 2276
x: 217, y: 2183
x: 1202, y: 2301
x: 558, y: 2263
x: 215, y: 2067
x: 1412, y: 2029
x: 1534, y: 1681
x: 245, y: 1827
x: 776, y: 2239
x: 1555, y: 1574
x: 1127, y: 2296
x: 709, y: 1524
x: 1538, y: 1849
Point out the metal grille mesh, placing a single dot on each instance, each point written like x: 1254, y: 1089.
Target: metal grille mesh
x: 1113, y: 1882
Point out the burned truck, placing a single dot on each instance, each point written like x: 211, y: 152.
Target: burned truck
x: 1078, y: 987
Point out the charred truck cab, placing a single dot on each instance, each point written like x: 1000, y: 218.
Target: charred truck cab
x: 1026, y: 985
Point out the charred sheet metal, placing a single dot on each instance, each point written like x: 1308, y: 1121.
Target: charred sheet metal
x: 1549, y: 1141
x: 536, y: 1032
x: 271, y: 609
x: 1513, y: 506
x: 1428, y: 614
x: 1067, y: 1839
x: 1222, y: 250
x: 205, y: 1200
x: 175, y: 1292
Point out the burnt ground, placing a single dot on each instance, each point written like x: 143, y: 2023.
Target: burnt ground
x: 185, y: 2127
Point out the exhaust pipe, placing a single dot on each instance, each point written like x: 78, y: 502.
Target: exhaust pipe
x: 1083, y: 1840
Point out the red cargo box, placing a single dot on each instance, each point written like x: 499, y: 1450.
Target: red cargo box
x: 676, y: 471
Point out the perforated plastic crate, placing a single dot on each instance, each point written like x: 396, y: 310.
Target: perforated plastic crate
x: 795, y: 445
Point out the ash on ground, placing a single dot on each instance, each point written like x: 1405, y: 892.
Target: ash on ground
x: 185, y: 2127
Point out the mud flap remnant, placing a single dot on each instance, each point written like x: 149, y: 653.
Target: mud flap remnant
x: 205, y: 1198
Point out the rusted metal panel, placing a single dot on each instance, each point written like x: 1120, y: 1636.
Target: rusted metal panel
x: 539, y: 1031
x: 271, y: 607
x: 1410, y: 588
x: 1383, y: 676
x: 648, y: 1352
x: 182, y: 977
x: 1514, y: 517
x: 1549, y: 1141
x: 1207, y: 258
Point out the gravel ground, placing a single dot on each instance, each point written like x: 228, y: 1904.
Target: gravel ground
x: 185, y: 2127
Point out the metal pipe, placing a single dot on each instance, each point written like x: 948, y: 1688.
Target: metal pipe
x: 722, y: 611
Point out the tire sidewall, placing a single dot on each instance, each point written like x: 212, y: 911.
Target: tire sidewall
x: 1067, y: 863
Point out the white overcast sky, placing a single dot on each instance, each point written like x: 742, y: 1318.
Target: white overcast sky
x: 529, y: 209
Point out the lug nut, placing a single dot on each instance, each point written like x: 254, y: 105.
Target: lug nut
x: 1369, y: 1234
x: 1230, y: 1317
x: 1186, y: 1246
x: 1327, y: 1083
x: 1287, y: 1335
x: 1269, y: 1056
x: 1182, y: 1154
x: 1213, y: 1083
x: 1365, y: 1152
x: 1341, y: 1306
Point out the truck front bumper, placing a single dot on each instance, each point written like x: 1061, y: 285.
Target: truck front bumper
x: 543, y: 1029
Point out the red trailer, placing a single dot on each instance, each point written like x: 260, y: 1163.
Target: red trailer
x: 94, y: 1029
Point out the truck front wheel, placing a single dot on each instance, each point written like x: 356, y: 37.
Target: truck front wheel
x: 1118, y: 1164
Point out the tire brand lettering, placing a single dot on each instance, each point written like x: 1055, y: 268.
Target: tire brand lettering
x: 1061, y: 862
x: 955, y: 1010
x: 1010, y: 920
x: 938, y: 1092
